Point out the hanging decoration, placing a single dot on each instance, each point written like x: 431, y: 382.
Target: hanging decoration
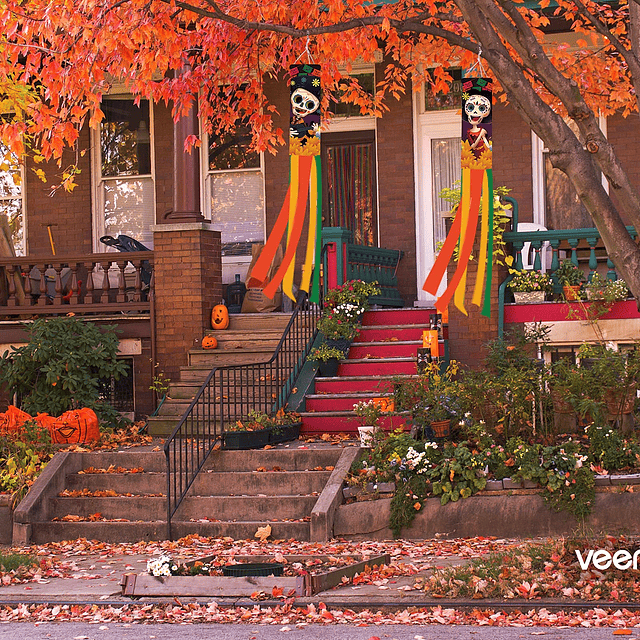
x: 304, y: 182
x: 477, y: 196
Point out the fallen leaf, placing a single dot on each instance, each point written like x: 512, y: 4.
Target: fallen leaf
x: 263, y: 533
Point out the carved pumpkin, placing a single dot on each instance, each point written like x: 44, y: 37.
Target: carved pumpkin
x: 209, y: 342
x: 76, y: 427
x: 220, y: 317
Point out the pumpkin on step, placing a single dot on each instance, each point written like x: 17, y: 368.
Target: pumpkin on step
x: 209, y: 342
x: 220, y: 317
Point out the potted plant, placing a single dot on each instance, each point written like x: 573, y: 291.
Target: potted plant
x: 529, y: 286
x: 250, y: 433
x: 344, y: 306
x: 285, y: 426
x: 608, y: 291
x: 570, y: 277
x: 370, y: 412
x: 328, y: 359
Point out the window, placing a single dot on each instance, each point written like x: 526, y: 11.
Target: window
x: 11, y: 200
x: 341, y: 109
x: 125, y: 192
x: 235, y: 191
x: 443, y: 101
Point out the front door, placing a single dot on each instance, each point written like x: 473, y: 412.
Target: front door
x: 349, y: 184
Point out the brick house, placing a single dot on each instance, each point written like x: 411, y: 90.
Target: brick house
x: 199, y: 213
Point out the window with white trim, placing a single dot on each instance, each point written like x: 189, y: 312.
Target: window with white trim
x: 11, y: 198
x: 123, y: 166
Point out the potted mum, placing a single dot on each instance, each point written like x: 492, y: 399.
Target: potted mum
x: 344, y: 307
x: 529, y: 286
x: 570, y: 277
x: 260, y: 429
x: 328, y: 359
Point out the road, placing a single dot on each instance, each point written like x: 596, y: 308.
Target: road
x: 110, y: 631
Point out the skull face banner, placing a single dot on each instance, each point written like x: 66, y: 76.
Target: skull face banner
x: 304, y: 120
x: 304, y: 182
x: 476, y: 197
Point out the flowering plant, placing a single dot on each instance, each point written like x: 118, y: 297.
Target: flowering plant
x: 343, y: 309
x: 600, y: 288
x: 526, y: 280
x: 324, y: 352
x: 162, y: 566
x: 370, y: 411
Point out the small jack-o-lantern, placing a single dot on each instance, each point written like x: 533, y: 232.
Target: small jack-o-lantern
x: 220, y: 317
x: 209, y: 342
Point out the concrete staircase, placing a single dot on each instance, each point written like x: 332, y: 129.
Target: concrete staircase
x: 235, y: 493
x: 385, y: 349
x: 250, y: 338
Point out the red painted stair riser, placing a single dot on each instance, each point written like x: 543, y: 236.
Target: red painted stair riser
x: 377, y: 368
x: 385, y: 350
x: 397, y: 316
x: 373, y: 385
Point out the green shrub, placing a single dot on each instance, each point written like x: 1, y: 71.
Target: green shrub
x: 59, y: 368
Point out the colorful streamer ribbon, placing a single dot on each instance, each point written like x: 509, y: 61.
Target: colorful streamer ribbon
x: 476, y: 196
x: 304, y: 183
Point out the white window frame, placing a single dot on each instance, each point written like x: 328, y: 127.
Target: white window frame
x: 428, y: 125
x: 537, y: 174
x: 23, y: 209
x: 97, y: 194
x: 231, y: 265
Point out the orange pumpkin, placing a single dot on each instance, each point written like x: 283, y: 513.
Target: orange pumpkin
x: 220, y: 317
x: 76, y: 427
x: 209, y: 342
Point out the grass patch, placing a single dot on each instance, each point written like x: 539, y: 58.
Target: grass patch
x: 15, y: 561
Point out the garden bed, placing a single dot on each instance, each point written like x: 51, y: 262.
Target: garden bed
x: 313, y: 575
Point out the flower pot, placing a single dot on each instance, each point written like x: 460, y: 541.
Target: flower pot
x: 617, y: 404
x: 234, y: 440
x: 528, y: 297
x: 561, y: 404
x: 366, y: 433
x: 340, y: 343
x: 284, y: 433
x: 571, y: 292
x: 328, y: 368
x: 441, y: 428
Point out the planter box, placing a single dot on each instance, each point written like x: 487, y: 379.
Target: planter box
x: 235, y: 440
x: 284, y: 433
x: 528, y: 297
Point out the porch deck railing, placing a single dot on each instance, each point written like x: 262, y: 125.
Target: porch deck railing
x: 228, y: 394
x: 584, y: 247
x: 89, y: 283
x: 348, y: 261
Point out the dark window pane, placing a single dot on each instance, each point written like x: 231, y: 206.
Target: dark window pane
x: 348, y: 109
x: 231, y: 151
x: 125, y: 140
x: 441, y: 101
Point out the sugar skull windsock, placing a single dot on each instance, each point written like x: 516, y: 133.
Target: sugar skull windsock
x: 477, y: 195
x: 304, y: 181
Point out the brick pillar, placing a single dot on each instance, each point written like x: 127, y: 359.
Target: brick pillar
x: 188, y: 284
x: 468, y: 335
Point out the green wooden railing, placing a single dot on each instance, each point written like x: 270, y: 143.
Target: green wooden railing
x: 583, y: 247
x: 347, y: 261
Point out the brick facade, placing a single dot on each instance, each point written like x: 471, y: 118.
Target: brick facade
x: 188, y: 283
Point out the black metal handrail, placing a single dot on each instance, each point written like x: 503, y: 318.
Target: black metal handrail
x: 228, y: 394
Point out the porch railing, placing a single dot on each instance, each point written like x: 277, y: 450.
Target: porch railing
x: 347, y: 261
x: 584, y: 247
x: 228, y: 394
x: 90, y: 283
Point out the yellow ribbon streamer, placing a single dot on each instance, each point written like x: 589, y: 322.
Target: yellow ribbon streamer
x: 287, y: 281
x: 458, y: 298
x: 484, y: 236
x: 307, y: 268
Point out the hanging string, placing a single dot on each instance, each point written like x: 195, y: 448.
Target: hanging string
x: 478, y: 64
x: 307, y: 51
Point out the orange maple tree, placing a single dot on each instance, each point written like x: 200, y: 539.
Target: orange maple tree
x: 215, y: 55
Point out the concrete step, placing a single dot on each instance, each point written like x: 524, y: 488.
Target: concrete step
x: 198, y: 373
x: 136, y: 509
x: 319, y: 422
x: 114, y: 532
x: 213, y: 357
x: 140, y: 484
x: 293, y: 459
x: 375, y: 366
x: 355, y: 384
x: 390, y: 333
x: 338, y: 401
x: 399, y: 349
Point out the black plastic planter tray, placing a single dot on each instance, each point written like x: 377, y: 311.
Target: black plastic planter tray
x: 253, y: 569
x: 285, y: 433
x: 246, y: 439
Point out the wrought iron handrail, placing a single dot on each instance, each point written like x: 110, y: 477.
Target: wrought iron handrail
x: 228, y: 394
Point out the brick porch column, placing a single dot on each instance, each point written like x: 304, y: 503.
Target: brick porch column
x: 188, y: 283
